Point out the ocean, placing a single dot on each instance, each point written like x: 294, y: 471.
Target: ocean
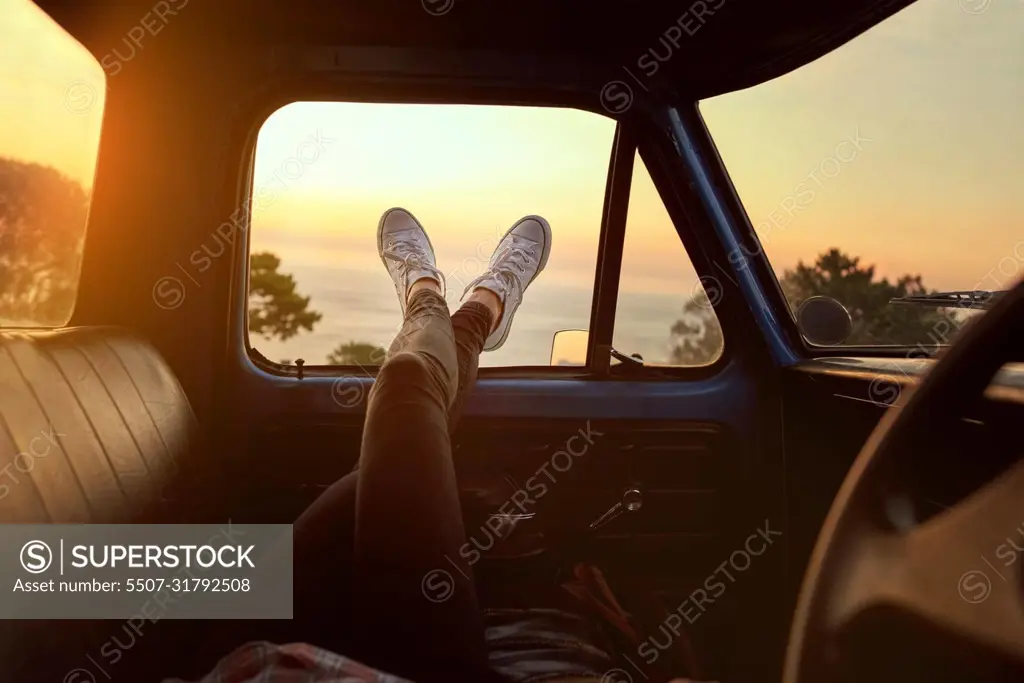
x: 359, y: 304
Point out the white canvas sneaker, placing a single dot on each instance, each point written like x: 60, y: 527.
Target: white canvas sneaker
x: 517, y: 260
x: 406, y: 252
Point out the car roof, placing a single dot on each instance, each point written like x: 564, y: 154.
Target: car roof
x: 718, y: 45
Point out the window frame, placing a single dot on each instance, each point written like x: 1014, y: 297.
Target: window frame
x: 640, y: 137
x: 641, y: 129
x: 746, y: 238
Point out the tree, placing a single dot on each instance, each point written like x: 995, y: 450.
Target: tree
x: 275, y: 308
x: 697, y: 336
x: 875, y: 321
x: 356, y: 353
x: 42, y: 231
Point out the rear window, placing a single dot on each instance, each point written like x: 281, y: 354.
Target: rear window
x: 52, y: 91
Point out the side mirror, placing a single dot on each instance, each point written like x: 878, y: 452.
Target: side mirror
x: 569, y: 347
x: 823, y: 321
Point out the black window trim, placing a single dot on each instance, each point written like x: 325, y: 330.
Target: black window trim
x: 610, y: 247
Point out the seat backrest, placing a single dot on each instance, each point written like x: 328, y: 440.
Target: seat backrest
x: 94, y: 428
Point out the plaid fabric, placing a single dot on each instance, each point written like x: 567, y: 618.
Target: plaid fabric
x: 264, y: 662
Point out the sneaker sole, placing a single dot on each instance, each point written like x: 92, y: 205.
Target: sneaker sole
x: 543, y: 262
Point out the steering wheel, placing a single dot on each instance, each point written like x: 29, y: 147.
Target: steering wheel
x: 931, y: 574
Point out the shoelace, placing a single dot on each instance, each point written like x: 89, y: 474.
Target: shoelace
x: 515, y: 257
x: 407, y: 253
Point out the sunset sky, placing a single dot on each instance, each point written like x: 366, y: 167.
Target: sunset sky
x: 935, y: 94
x: 51, y: 93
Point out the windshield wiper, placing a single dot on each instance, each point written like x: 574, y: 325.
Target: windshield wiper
x: 977, y: 299
x: 635, y: 360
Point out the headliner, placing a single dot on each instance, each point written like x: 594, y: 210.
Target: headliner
x: 743, y: 43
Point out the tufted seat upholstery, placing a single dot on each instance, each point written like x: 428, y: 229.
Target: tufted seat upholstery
x: 94, y: 428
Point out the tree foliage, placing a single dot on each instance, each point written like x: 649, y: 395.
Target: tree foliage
x: 276, y: 309
x: 42, y: 230
x: 697, y: 336
x: 875, y: 321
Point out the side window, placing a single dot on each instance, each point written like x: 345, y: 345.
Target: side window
x: 52, y: 91
x: 325, y: 172
x: 663, y: 312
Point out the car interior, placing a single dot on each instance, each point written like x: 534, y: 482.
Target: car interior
x: 878, y: 481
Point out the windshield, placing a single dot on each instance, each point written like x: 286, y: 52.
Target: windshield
x: 890, y: 169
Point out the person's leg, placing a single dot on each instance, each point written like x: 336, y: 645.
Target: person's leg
x: 324, y: 541
x: 416, y: 610
x: 483, y: 322
x: 325, y: 536
x: 325, y: 532
x: 322, y: 587
x: 472, y: 324
x: 414, y: 591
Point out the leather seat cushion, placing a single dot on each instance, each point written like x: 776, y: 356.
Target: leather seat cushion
x: 94, y: 428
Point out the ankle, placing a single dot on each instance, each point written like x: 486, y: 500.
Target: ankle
x: 424, y: 283
x: 492, y: 301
